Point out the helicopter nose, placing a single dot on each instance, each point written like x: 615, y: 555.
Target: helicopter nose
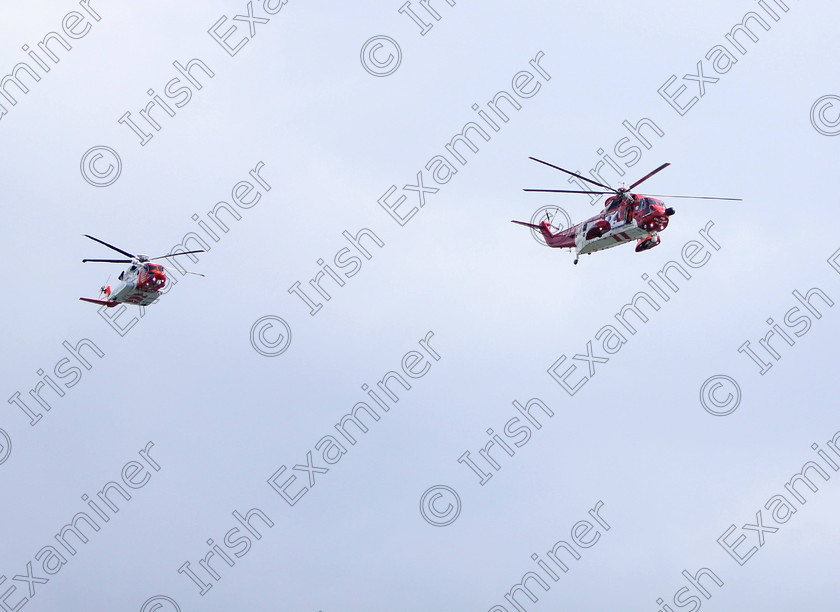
x: 669, y: 211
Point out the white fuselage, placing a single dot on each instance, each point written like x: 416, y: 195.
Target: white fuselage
x: 126, y: 290
x: 619, y: 233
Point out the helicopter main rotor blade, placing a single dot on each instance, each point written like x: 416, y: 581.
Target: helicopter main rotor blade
x: 176, y: 254
x: 107, y: 260
x: 647, y: 176
x: 110, y: 246
x: 185, y: 271
x: 569, y: 191
x: 694, y: 197
x: 583, y: 178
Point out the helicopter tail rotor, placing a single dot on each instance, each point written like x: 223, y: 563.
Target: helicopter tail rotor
x: 105, y: 290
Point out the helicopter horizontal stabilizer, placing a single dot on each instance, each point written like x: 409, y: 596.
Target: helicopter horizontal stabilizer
x: 531, y: 225
x: 100, y: 302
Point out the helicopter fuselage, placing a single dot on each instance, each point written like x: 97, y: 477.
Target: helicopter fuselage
x: 624, y: 219
x: 140, y: 284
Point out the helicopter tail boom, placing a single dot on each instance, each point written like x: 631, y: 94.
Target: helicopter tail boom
x: 542, y: 228
x: 564, y: 239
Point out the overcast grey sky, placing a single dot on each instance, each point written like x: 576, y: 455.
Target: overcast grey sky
x: 232, y: 394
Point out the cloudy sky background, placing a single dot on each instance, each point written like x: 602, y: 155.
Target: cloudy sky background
x: 334, y: 139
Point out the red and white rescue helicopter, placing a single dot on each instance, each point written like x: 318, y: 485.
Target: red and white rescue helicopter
x: 140, y: 283
x: 626, y: 217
